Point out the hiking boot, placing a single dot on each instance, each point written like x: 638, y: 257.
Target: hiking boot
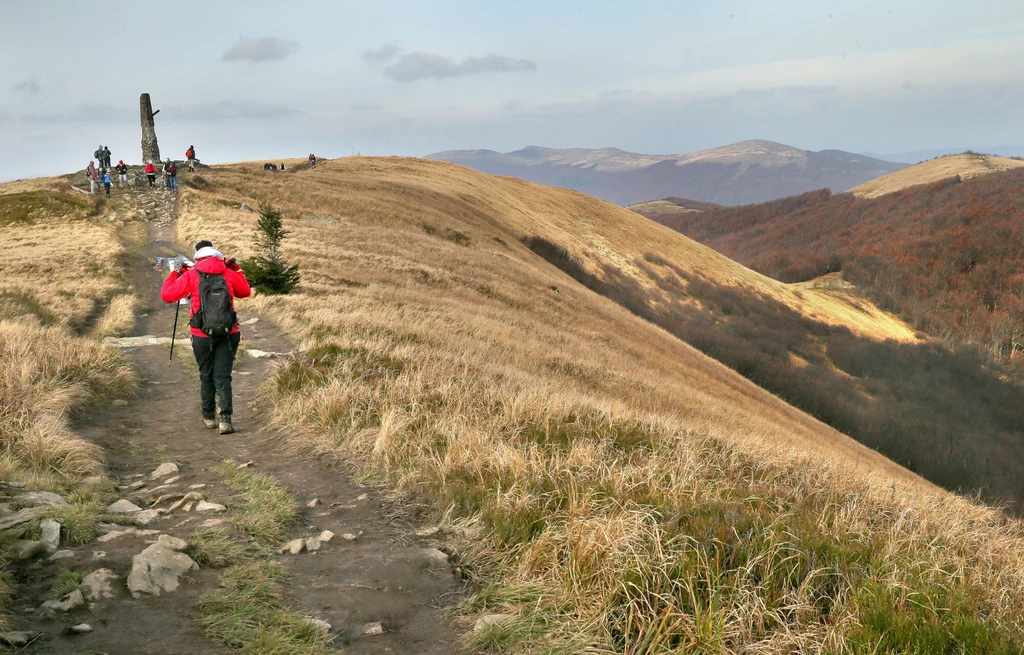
x: 225, y: 425
x: 210, y: 422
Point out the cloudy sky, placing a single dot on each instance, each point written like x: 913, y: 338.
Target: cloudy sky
x: 258, y: 80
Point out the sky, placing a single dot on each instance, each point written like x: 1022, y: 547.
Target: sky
x: 268, y: 80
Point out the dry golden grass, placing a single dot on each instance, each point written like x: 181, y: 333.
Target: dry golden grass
x: 943, y: 168
x: 621, y: 491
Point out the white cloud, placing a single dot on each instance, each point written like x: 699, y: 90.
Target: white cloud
x: 260, y: 50
x: 28, y: 87
x: 383, y: 53
x: 422, y: 65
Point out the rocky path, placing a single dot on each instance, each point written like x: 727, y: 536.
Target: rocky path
x: 382, y: 592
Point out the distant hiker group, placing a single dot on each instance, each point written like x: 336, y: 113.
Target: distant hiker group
x: 270, y: 166
x: 98, y: 171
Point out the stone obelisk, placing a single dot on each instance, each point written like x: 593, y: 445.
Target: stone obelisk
x: 150, y: 148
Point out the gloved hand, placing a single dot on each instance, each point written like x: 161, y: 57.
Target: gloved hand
x: 232, y: 264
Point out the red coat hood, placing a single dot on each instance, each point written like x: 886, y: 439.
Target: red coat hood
x: 212, y: 265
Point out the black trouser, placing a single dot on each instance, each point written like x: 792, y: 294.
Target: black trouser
x: 215, y: 358
x: 152, y: 179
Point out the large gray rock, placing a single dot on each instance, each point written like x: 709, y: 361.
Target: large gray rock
x: 47, y: 498
x: 17, y: 638
x: 123, y: 507
x: 66, y: 603
x: 155, y: 571
x: 162, y: 471
x: 495, y: 620
x: 23, y: 516
x: 50, y: 536
x: 24, y: 550
x: 99, y: 584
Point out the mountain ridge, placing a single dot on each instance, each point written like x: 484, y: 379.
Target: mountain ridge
x: 739, y: 173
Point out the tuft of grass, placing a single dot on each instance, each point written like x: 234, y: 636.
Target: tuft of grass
x: 118, y: 319
x: 66, y: 582
x: 248, y: 612
x: 215, y: 548
x: 448, y: 234
x: 78, y: 521
x: 267, y: 509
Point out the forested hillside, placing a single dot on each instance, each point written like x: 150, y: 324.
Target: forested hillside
x: 948, y: 257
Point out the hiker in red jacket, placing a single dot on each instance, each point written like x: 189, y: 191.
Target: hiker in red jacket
x: 215, y: 355
x: 151, y: 174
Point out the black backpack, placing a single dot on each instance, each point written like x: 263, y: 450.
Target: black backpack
x: 215, y: 317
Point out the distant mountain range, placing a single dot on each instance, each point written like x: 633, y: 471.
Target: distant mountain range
x: 741, y: 173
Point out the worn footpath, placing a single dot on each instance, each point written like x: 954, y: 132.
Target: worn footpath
x: 381, y: 582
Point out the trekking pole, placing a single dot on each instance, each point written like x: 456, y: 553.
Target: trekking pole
x: 174, y: 331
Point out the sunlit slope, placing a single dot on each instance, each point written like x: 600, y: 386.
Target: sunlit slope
x: 966, y: 166
x: 433, y: 249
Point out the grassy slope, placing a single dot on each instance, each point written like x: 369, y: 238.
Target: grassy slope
x: 621, y: 489
x: 60, y: 278
x: 966, y: 166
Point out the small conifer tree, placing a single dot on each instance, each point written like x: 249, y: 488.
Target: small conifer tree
x: 267, y: 272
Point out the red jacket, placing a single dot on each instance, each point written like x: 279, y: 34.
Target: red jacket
x: 150, y: 169
x: 178, y: 286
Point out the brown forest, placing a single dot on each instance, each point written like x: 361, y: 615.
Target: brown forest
x: 947, y: 257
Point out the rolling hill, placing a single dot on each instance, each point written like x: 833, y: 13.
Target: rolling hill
x: 745, y: 172
x: 506, y: 355
x: 965, y: 166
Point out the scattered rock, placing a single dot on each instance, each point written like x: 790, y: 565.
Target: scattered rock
x: 190, y: 497
x: 172, y: 480
x: 61, y: 554
x: 123, y: 507
x: 369, y: 629
x: 98, y: 584
x: 165, y: 469
x: 428, y: 532
x: 120, y: 402
x: 12, y: 485
x: 80, y: 629
x: 362, y: 497
x: 348, y: 536
x: 293, y: 547
x: 319, y: 623
x: 244, y: 207
x: 156, y: 570
x: 251, y: 321
x: 47, y: 498
x: 312, y: 544
x: 116, y: 534
x: 188, y: 506
x: 67, y: 602
x: 99, y: 554
x: 212, y: 523
x: 204, y: 506
x: 489, y: 620
x: 325, y: 536
x: 23, y: 516
x: 5, y: 509
x: 134, y: 342
x: 174, y: 543
x: 196, y: 486
x: 164, y: 498
x: 313, y: 503
x: 17, y: 638
x: 50, y: 535
x: 262, y: 354
x: 25, y: 550
x: 133, y: 486
x: 435, y: 556
x: 147, y: 516
x: 247, y: 465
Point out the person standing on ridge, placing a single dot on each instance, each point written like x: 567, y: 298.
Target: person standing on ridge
x: 171, y: 175
x: 213, y: 285
x: 106, y: 157
x: 98, y: 156
x: 190, y: 155
x: 90, y: 172
x: 312, y: 159
x: 151, y: 174
x: 122, y: 173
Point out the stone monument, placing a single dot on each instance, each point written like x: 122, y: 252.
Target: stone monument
x: 150, y: 148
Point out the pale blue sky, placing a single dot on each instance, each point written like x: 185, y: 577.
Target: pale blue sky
x: 257, y: 80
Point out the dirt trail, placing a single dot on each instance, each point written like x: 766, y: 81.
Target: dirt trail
x: 385, y: 575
